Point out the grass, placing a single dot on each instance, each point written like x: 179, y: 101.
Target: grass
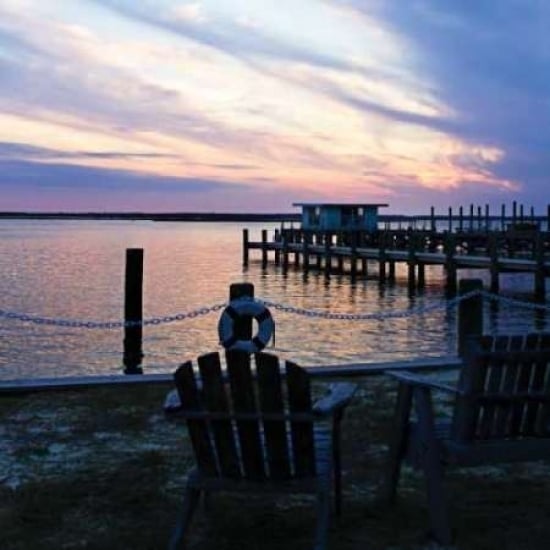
x: 103, y: 469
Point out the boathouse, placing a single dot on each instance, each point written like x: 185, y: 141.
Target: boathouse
x: 339, y: 216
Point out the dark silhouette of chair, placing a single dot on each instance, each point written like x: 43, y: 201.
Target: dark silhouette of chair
x: 257, y: 430
x: 500, y: 413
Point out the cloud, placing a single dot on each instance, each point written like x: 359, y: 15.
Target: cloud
x: 24, y: 151
x: 230, y: 38
x: 18, y: 174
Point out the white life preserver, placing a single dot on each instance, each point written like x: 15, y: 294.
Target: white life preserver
x: 245, y: 307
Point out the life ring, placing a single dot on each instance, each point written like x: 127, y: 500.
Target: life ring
x: 245, y: 307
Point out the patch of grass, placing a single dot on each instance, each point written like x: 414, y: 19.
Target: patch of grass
x: 125, y: 490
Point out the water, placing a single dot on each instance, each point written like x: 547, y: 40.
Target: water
x: 75, y: 270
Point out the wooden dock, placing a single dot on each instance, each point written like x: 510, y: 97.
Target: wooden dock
x: 497, y: 244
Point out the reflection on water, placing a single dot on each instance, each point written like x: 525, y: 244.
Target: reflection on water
x: 75, y: 269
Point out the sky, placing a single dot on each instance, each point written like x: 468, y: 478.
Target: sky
x: 251, y: 105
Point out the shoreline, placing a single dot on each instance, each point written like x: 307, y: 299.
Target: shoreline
x: 154, y: 216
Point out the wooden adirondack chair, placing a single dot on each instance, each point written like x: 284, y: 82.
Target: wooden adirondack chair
x: 256, y: 433
x: 501, y: 413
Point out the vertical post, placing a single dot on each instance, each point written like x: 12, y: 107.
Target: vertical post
x: 479, y: 218
x: 470, y: 313
x: 133, y: 311
x: 540, y: 274
x: 382, y: 259
x: 461, y: 219
x: 432, y: 219
x: 297, y: 240
x: 242, y: 326
x: 245, y: 247
x: 450, y: 219
x: 411, y: 262
x: 305, y: 251
x: 494, y: 268
x: 285, y: 251
x: 277, y: 239
x: 353, y: 257
x: 521, y: 213
x: 264, y: 248
x: 450, y: 263
x: 548, y: 217
x: 487, y: 222
x: 503, y: 217
x: 514, y: 212
x: 471, y: 217
x: 328, y: 257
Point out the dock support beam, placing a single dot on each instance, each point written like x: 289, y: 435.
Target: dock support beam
x: 245, y: 247
x: 264, y: 248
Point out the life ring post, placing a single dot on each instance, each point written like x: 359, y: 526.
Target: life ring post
x: 243, y: 325
x: 235, y: 328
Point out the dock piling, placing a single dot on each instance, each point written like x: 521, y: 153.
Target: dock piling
x: 133, y: 311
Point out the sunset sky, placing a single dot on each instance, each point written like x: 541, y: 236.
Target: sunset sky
x: 251, y: 105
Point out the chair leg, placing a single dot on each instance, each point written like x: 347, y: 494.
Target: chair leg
x: 433, y: 468
x: 337, y: 463
x: 398, y: 443
x: 190, y: 501
x: 437, y: 506
x: 323, y: 517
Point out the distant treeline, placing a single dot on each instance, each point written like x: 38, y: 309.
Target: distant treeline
x: 161, y: 217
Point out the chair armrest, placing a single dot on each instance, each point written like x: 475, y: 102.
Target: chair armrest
x: 419, y: 380
x: 339, y: 396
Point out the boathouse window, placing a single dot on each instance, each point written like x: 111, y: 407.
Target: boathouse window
x: 347, y: 217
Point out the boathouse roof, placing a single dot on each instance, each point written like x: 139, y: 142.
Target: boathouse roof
x: 340, y: 204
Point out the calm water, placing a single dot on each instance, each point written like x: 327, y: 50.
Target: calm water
x: 75, y: 269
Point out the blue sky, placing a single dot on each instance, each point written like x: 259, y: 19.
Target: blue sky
x: 221, y: 105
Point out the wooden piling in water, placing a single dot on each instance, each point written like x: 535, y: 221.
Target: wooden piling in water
x: 540, y: 272
x: 245, y: 247
x: 328, y: 257
x: 133, y: 311
x: 450, y: 264
x: 277, y: 252
x: 494, y: 270
x: 264, y: 248
x: 470, y: 314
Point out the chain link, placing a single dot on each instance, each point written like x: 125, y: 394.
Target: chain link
x: 399, y: 314
x: 70, y: 323
x: 514, y: 302
x: 313, y: 313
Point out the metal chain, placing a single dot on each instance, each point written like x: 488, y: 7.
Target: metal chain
x: 399, y: 314
x: 514, y: 301
x: 70, y: 323
x: 380, y: 316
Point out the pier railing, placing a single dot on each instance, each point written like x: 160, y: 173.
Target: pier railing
x: 520, y: 248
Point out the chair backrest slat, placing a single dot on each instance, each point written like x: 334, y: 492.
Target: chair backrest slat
x: 249, y: 425
x: 244, y: 401
x: 271, y: 402
x: 540, y: 384
x: 517, y: 425
x: 299, y: 400
x: 215, y: 397
x: 493, y: 379
x: 505, y: 383
x: 198, y: 428
x: 511, y: 368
